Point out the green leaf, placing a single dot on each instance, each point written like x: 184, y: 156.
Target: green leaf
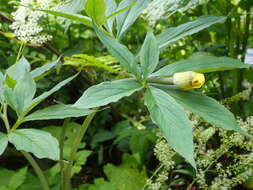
x: 149, y: 55
x: 111, y: 6
x: 24, y: 92
x: 107, y: 92
x: 206, y: 107
x: 128, y: 17
x: 18, y: 70
x: 59, y: 111
x: 18, y: 179
x: 1, y: 86
x: 201, y: 64
x: 43, y: 96
x: 96, y: 10
x: 41, y: 70
x: 121, y: 52
x: 3, y: 142
x: 175, y: 33
x: 9, y: 97
x: 73, y: 16
x: 42, y: 144
x: 172, y: 120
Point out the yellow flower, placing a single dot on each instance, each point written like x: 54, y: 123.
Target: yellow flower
x: 188, y: 80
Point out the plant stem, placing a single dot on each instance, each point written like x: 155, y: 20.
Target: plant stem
x: 18, y: 123
x: 37, y: 170
x: 77, y: 141
x: 153, y: 175
x: 63, y: 132
x: 4, y: 117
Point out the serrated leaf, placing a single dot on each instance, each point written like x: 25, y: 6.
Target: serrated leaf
x: 121, y: 52
x: 175, y: 33
x: 149, y: 55
x: 42, y: 144
x: 206, y: 107
x: 60, y: 111
x: 201, y: 64
x: 3, y: 142
x: 96, y: 10
x: 172, y: 120
x: 107, y: 92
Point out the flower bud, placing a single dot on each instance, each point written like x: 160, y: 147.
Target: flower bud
x: 188, y: 80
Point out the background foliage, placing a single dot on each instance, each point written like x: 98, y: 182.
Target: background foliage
x: 118, y: 152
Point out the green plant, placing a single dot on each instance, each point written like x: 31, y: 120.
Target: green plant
x: 165, y: 100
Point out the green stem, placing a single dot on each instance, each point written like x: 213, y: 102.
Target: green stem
x: 18, y: 123
x: 160, y: 80
x: 21, y: 48
x: 153, y: 175
x: 63, y: 132
x: 4, y: 117
x: 77, y: 141
x: 37, y: 169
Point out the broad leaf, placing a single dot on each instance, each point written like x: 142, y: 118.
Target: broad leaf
x: 60, y: 111
x: 43, y: 96
x: 43, y: 69
x: 18, y: 70
x: 111, y: 6
x: 175, y: 33
x: 3, y: 142
x: 201, y: 64
x: 121, y: 52
x: 96, y: 10
x: 149, y: 55
x: 24, y: 92
x: 42, y: 144
x: 9, y: 97
x: 128, y: 17
x: 206, y: 107
x: 172, y: 120
x: 18, y: 179
x: 107, y: 92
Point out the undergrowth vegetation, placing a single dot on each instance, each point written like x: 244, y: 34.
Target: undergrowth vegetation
x: 126, y: 95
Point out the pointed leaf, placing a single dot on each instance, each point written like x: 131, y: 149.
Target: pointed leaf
x: 60, y: 111
x: 24, y: 92
x: 18, y: 70
x: 41, y: 70
x: 149, y: 55
x: 3, y: 142
x: 121, y: 52
x: 73, y: 16
x: 111, y: 6
x: 96, y: 10
x: 175, y: 33
x: 107, y: 92
x: 128, y: 17
x: 201, y: 64
x: 42, y: 144
x: 206, y: 107
x: 172, y: 120
x: 43, y: 96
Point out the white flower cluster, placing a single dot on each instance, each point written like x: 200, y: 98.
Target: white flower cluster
x: 26, y: 23
x: 159, y: 9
